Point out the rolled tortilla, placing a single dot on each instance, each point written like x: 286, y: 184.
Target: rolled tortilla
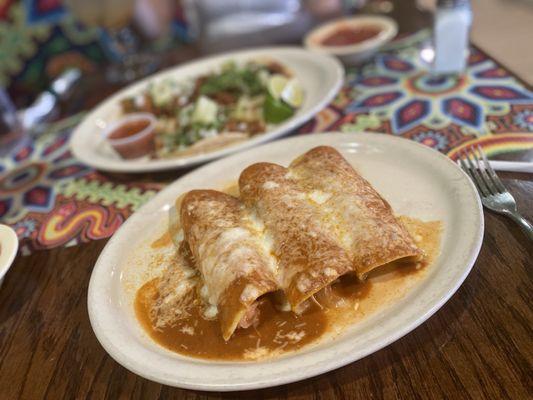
x: 308, y: 255
x: 236, y: 266
x: 362, y: 219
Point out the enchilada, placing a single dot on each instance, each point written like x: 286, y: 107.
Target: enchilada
x: 362, y: 220
x: 309, y: 256
x: 235, y: 263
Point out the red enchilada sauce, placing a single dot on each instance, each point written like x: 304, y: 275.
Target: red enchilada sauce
x: 279, y: 331
x: 348, y: 35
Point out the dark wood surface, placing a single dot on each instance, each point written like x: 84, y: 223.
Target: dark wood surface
x: 479, y: 345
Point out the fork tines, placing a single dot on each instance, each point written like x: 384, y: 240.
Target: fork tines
x: 474, y: 162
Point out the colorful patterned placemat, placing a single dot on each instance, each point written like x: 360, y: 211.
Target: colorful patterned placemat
x: 53, y: 200
x: 40, y: 38
x: 395, y: 95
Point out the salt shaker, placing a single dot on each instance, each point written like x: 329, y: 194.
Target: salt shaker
x: 450, y: 35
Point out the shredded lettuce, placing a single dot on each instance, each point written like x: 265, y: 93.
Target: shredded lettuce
x: 240, y: 81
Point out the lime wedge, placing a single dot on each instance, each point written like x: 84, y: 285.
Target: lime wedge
x: 276, y: 111
x: 276, y: 84
x: 293, y: 93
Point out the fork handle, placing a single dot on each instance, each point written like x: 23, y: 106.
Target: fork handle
x: 524, y: 224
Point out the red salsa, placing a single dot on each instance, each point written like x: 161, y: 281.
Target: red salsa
x: 129, y: 128
x: 132, y: 139
x: 348, y: 35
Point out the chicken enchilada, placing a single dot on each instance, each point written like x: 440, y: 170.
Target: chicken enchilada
x: 268, y: 270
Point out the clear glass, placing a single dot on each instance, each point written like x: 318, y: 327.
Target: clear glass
x: 114, y: 17
x: 223, y: 25
x: 12, y: 134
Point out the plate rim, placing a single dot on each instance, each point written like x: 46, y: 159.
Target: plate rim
x: 338, y: 75
x: 298, y: 374
x: 9, y: 238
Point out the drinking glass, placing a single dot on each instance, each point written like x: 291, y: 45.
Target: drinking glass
x: 114, y: 17
x: 12, y: 134
x: 223, y: 25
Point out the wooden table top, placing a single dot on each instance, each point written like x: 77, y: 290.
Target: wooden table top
x: 479, y: 345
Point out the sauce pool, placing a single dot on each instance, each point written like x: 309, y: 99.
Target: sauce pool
x: 279, y: 332
x: 346, y: 36
x: 197, y: 337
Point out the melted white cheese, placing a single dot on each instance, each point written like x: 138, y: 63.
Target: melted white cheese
x: 270, y: 185
x: 210, y: 312
x: 319, y: 197
x: 290, y: 175
x: 187, y: 329
x: 249, y: 293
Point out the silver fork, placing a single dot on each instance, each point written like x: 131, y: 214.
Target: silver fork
x: 493, y: 194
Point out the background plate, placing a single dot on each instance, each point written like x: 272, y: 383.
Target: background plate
x: 320, y: 75
x: 416, y: 180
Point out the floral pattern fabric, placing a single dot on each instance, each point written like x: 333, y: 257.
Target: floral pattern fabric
x: 395, y: 94
x: 51, y: 199
x: 40, y: 38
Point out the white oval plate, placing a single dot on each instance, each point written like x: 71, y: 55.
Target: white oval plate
x: 415, y: 179
x: 320, y: 75
x: 9, y: 245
